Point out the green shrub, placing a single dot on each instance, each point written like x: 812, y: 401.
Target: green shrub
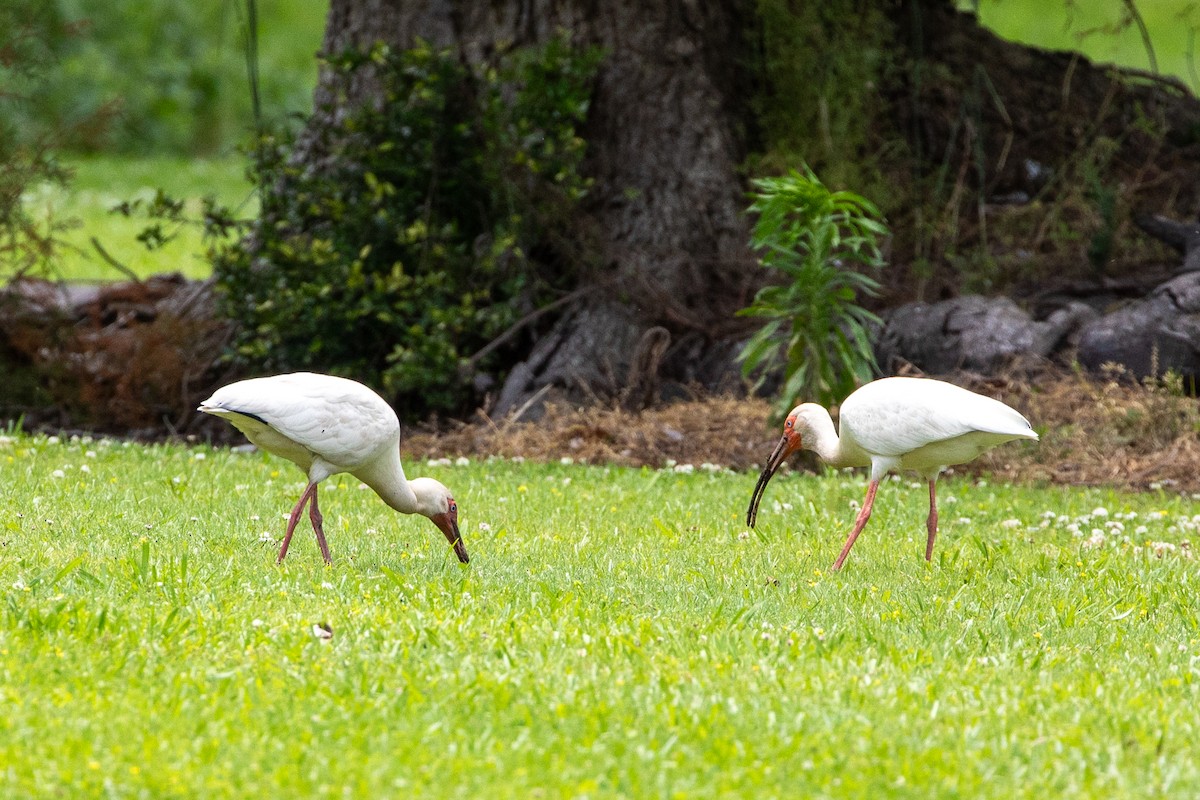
x: 817, y: 239
x: 424, y: 230
x: 28, y: 241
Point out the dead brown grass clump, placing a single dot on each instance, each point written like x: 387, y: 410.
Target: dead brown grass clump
x: 719, y: 430
x: 1094, y: 432
x: 1105, y: 432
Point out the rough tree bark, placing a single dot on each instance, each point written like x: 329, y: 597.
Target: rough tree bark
x: 665, y: 139
x: 670, y: 126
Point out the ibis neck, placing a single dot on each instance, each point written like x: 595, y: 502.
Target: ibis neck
x: 386, y: 477
x: 827, y: 445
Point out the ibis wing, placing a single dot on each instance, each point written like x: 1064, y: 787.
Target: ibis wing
x: 339, y: 420
x: 894, y: 416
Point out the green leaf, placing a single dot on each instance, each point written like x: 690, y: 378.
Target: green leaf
x: 814, y: 240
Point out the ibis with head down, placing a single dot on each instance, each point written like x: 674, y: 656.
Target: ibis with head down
x: 325, y: 425
x: 911, y: 424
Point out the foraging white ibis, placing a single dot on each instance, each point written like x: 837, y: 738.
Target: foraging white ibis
x: 915, y: 424
x: 326, y: 425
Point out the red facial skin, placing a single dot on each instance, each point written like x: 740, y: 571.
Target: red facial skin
x: 447, y: 523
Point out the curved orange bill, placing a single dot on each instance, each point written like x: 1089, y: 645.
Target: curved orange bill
x: 449, y: 528
x: 778, y: 456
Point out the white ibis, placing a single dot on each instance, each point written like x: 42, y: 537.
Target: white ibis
x: 326, y: 425
x: 915, y: 424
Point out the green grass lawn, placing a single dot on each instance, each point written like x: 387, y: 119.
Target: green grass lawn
x: 618, y: 633
x: 102, y: 182
x: 1102, y: 31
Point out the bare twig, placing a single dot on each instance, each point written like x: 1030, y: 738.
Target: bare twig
x: 1136, y: 15
x: 525, y: 320
x: 516, y: 415
x: 112, y: 262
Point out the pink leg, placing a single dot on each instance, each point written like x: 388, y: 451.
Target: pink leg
x: 931, y: 522
x: 314, y: 516
x: 311, y: 491
x: 860, y: 522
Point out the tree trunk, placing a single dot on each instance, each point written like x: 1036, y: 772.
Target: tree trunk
x: 665, y: 138
x: 965, y: 126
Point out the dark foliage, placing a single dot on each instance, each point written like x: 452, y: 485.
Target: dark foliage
x: 424, y: 230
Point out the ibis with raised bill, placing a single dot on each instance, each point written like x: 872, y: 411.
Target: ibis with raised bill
x: 325, y: 425
x: 910, y: 424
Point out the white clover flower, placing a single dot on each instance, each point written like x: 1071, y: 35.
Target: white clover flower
x: 462, y: 461
x: 1011, y: 523
x: 686, y: 469
x: 58, y: 473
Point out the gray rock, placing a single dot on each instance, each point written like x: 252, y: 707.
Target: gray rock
x: 971, y: 332
x: 1151, y: 336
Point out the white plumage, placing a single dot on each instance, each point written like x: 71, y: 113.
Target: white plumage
x: 910, y: 424
x: 326, y: 425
